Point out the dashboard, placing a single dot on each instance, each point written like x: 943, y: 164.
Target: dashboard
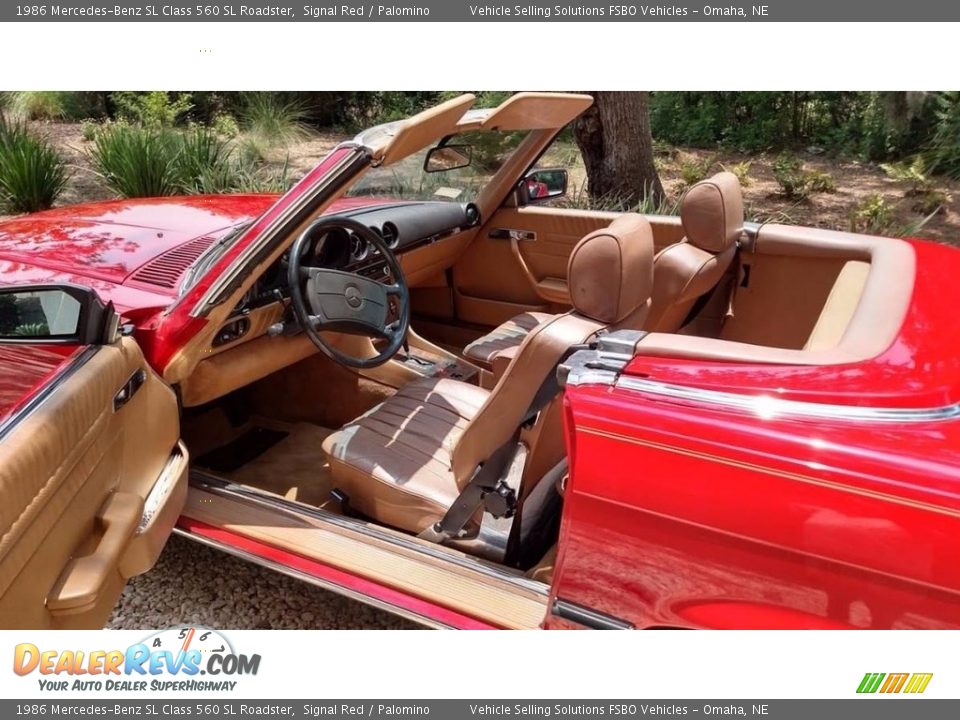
x: 403, y: 226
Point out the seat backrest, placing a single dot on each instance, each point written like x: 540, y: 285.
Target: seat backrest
x: 712, y: 218
x: 610, y: 276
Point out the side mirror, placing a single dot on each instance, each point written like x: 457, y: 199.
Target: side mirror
x: 544, y: 184
x: 69, y: 314
x: 447, y: 157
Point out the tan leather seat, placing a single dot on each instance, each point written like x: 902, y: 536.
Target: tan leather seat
x: 712, y: 218
x: 406, y: 461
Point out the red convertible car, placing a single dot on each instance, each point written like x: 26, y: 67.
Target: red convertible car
x: 414, y: 382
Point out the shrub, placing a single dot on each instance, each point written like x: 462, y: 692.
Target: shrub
x: 225, y: 125
x: 693, y: 169
x: 913, y: 173
x: 39, y: 105
x: 89, y: 130
x: 943, y: 149
x: 273, y: 118
x: 930, y: 202
x: 789, y: 174
x: 742, y: 172
x: 873, y: 216
x: 136, y: 161
x: 798, y: 183
x: 819, y: 181
x: 32, y: 173
x: 153, y: 110
x: 203, y: 163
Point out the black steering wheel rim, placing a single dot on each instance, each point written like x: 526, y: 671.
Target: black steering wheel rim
x: 359, y: 296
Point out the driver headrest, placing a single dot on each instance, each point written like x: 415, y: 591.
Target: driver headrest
x: 712, y: 213
x: 611, y: 270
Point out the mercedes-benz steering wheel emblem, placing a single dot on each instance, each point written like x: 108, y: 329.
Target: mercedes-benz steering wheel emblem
x: 353, y: 296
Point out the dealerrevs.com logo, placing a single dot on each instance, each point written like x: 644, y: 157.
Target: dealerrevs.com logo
x: 179, y: 659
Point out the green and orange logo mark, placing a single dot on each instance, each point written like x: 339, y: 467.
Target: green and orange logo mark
x: 894, y: 683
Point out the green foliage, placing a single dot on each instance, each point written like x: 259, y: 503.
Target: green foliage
x: 225, y: 125
x: 37, y: 329
x: 819, y: 181
x: 136, y: 161
x: 579, y: 198
x: 943, y: 149
x: 32, y: 173
x: 742, y: 172
x: 789, y: 174
x: 156, y: 109
x: 873, y: 125
x: 873, y: 216
x: 274, y: 118
x: 930, y: 202
x: 39, y: 105
x: 89, y: 130
x: 914, y: 173
x: 203, y: 162
x: 798, y: 183
x: 693, y: 169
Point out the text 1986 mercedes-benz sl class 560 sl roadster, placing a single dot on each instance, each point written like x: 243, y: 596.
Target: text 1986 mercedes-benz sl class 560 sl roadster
x: 417, y: 379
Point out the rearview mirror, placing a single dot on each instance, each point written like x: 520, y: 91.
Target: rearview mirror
x: 448, y: 157
x: 54, y: 314
x: 545, y: 184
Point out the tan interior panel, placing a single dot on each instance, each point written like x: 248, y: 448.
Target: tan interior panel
x: 531, y: 268
x: 424, y: 128
x: 775, y: 308
x: 537, y: 111
x: 77, y: 482
x: 859, y: 282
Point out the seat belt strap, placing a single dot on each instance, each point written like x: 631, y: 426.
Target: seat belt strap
x: 486, y: 488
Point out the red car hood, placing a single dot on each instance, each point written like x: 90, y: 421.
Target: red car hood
x: 132, y: 252
x: 110, y: 241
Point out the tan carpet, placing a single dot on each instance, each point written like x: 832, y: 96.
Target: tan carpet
x: 295, y: 467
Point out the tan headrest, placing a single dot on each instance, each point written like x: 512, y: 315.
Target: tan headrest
x: 712, y: 212
x: 611, y: 270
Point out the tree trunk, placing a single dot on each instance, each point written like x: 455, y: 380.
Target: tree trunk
x: 617, y: 148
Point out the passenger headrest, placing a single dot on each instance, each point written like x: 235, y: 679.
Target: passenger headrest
x: 611, y: 270
x: 712, y: 213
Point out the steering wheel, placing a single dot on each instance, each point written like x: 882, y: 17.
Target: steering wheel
x: 337, y: 300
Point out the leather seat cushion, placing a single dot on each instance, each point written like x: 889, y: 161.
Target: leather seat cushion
x: 508, y: 335
x: 394, y: 461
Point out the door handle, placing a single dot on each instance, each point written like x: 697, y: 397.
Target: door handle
x: 509, y: 234
x: 84, y: 578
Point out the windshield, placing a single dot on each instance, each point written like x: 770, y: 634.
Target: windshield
x: 407, y: 179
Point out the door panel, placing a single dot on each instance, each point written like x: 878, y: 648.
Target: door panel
x: 91, y: 482
x: 518, y: 261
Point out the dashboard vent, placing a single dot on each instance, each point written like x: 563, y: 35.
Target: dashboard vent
x: 391, y: 235
x: 166, y: 270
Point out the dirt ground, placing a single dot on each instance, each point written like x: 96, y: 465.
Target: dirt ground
x: 855, y: 181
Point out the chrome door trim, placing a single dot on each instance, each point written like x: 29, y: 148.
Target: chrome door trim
x: 767, y: 406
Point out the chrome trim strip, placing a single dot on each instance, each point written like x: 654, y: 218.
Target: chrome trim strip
x: 216, y: 485
x: 313, y: 580
x: 770, y: 407
x: 47, y: 390
x: 588, y: 617
x: 212, y: 296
